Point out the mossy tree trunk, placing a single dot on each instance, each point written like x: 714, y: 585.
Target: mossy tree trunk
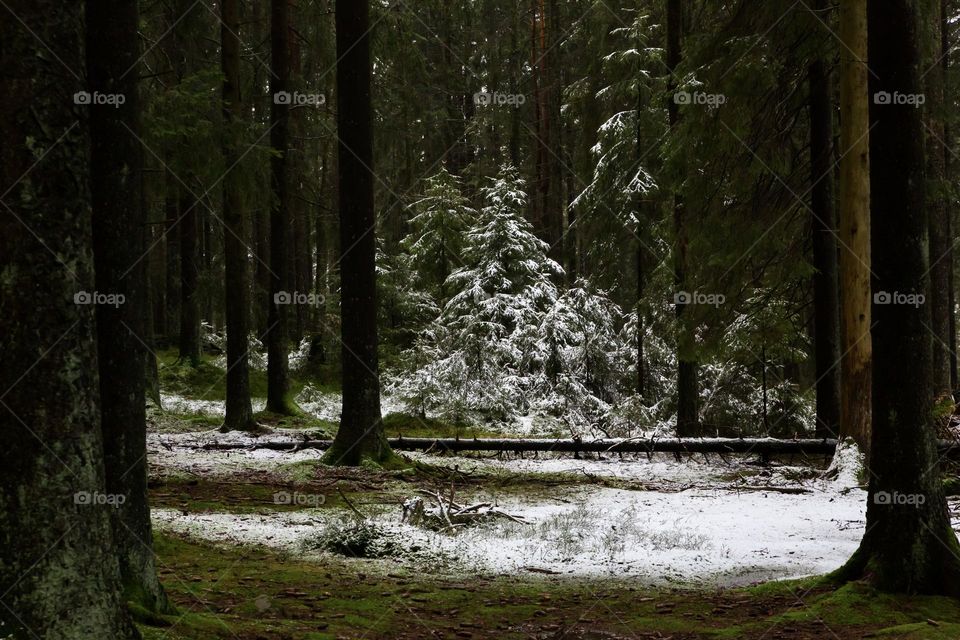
x: 909, y: 545
x: 941, y: 256
x: 58, y: 565
x: 239, y: 413
x: 361, y: 428
x: 116, y: 164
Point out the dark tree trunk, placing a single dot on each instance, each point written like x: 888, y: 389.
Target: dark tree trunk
x: 278, y: 383
x: 361, y: 427
x: 941, y: 257
x: 116, y: 164
x: 189, y: 281
x: 171, y: 316
x: 688, y: 421
x: 58, y: 562
x: 907, y: 547
x: 826, y: 293
x: 239, y: 414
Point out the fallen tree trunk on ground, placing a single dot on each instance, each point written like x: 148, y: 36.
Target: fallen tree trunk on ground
x: 759, y: 446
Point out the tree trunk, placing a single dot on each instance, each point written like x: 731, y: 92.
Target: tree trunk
x: 854, y: 226
x: 58, y: 562
x: 171, y: 317
x: 687, y: 387
x: 826, y: 294
x: 239, y: 414
x: 116, y: 165
x: 361, y: 428
x: 941, y: 258
x: 278, y: 383
x: 909, y: 545
x: 189, y: 281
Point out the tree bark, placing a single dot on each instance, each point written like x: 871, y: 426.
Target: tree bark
x: 908, y: 547
x: 941, y: 258
x: 58, y: 561
x: 239, y: 414
x: 360, y: 435
x: 826, y: 293
x: 278, y: 383
x: 116, y: 164
x: 189, y: 281
x: 688, y: 421
x: 854, y: 226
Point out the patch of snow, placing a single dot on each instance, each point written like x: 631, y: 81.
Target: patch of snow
x: 179, y: 404
x: 848, y: 464
x: 696, y: 537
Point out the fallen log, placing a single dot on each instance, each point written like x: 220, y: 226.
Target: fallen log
x: 758, y: 446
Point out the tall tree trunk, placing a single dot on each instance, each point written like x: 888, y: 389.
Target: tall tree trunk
x: 239, y: 414
x: 855, y: 342
x: 116, y: 166
x: 641, y: 271
x: 171, y: 316
x: 58, y: 562
x: 278, y: 383
x: 909, y: 545
x: 360, y: 434
x: 688, y: 421
x: 948, y: 172
x: 941, y: 258
x: 189, y: 281
x: 826, y: 294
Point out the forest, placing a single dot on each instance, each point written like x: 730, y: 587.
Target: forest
x: 550, y: 319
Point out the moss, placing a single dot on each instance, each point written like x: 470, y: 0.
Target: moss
x: 248, y: 593
x: 314, y: 428
x: 951, y: 486
x: 412, y: 426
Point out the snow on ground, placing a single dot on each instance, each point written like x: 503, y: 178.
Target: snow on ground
x: 186, y: 406
x: 709, y: 536
x: 183, y: 452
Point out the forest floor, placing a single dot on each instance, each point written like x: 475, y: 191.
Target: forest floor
x: 254, y: 543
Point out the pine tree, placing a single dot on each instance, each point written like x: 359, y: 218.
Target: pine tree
x: 441, y: 218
